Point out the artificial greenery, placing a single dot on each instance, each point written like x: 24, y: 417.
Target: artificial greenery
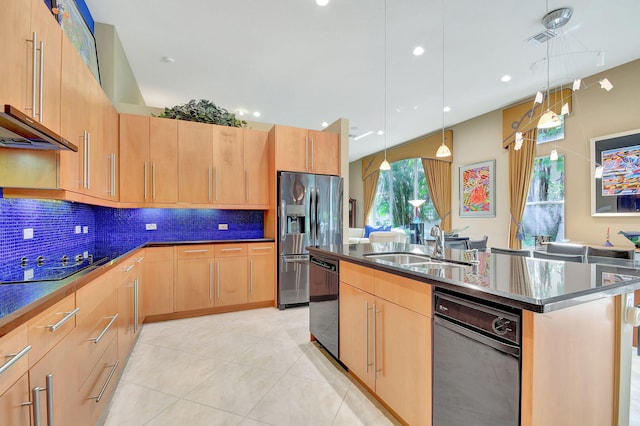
x: 203, y: 111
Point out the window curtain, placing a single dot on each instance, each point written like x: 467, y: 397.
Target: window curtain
x: 369, y: 187
x: 520, y: 170
x: 438, y: 174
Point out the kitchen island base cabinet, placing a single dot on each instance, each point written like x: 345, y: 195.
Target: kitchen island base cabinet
x: 385, y: 339
x: 12, y: 409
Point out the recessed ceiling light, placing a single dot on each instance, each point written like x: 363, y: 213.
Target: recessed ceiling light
x: 240, y: 113
x: 419, y: 50
x: 256, y: 114
x: 505, y: 78
x: 415, y: 107
x: 322, y: 2
x: 325, y: 124
x: 380, y: 132
x: 168, y: 59
x: 446, y: 109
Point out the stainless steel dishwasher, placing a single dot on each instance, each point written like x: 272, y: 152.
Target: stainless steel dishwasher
x: 476, y: 363
x: 324, y: 305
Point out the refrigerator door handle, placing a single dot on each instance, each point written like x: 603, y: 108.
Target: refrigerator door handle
x: 317, y: 222
x: 283, y: 221
x: 312, y: 218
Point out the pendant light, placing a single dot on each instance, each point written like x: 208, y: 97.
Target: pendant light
x: 443, y: 150
x: 385, y: 164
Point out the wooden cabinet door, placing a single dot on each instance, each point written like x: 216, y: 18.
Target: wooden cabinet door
x: 195, y: 146
x: 231, y: 281
x: 134, y: 158
x: 256, y: 164
x: 194, y: 284
x: 60, y: 364
x: 157, y: 296
x: 108, y: 131
x: 324, y: 152
x: 16, y: 72
x: 12, y: 410
x: 78, y: 122
x: 403, y: 358
x: 229, y: 174
x: 262, y: 272
x: 292, y: 149
x: 356, y: 332
x: 163, y: 151
x: 126, y: 291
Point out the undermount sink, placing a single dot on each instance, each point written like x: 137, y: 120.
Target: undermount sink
x: 415, y: 262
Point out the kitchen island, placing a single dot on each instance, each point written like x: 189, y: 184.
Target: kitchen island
x: 571, y: 331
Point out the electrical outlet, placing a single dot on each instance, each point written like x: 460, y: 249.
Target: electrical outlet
x: 85, y: 229
x: 78, y: 229
x: 28, y: 274
x: 151, y: 226
x: 27, y: 233
x: 85, y: 254
x: 223, y: 227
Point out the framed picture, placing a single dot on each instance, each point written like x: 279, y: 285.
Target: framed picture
x: 78, y: 32
x: 617, y: 192
x: 477, y: 189
x: 552, y: 134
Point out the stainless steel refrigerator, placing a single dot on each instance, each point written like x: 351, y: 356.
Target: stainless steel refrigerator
x: 309, y: 214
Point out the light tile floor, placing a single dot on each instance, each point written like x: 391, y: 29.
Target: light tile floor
x: 243, y: 368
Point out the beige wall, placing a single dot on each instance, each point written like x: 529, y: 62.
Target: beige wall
x: 355, y: 190
x: 595, y: 113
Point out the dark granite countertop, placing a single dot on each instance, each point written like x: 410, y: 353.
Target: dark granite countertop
x: 20, y: 302
x: 522, y: 282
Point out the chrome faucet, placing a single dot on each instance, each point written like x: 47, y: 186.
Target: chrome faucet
x: 438, y: 249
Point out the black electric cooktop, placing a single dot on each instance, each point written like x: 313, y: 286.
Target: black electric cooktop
x: 53, y: 270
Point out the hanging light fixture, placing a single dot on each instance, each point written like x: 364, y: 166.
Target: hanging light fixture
x: 552, y: 21
x: 443, y: 150
x: 385, y: 164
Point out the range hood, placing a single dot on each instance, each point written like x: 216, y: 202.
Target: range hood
x: 18, y: 130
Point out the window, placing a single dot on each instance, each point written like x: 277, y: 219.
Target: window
x: 405, y: 181
x: 544, y: 211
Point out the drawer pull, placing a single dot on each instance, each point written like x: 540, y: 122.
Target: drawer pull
x: 139, y: 259
x: 14, y: 358
x: 196, y: 251
x: 232, y: 249
x: 261, y: 248
x: 104, y: 387
x: 101, y: 335
x: 128, y: 268
x: 67, y: 317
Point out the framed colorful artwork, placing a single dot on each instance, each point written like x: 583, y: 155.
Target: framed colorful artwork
x: 477, y: 189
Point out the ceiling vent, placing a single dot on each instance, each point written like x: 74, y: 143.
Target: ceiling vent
x: 541, y: 38
x: 551, y: 21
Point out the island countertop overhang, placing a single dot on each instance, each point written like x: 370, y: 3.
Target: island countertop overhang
x: 535, y: 285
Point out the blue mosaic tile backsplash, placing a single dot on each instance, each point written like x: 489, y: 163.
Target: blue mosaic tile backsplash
x: 109, y: 231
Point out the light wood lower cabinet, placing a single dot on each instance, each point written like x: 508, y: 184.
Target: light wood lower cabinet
x: 385, y: 340
x: 262, y: 272
x: 194, y: 287
x: 129, y: 315
x: 13, y: 410
x: 159, y: 270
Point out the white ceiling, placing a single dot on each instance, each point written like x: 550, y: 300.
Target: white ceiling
x: 300, y: 64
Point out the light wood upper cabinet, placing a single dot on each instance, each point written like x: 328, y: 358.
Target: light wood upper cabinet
x: 229, y: 174
x: 163, y: 159
x: 195, y: 168
x: 134, y: 157
x: 256, y: 164
x: 19, y: 20
x: 307, y: 151
x: 80, y: 170
x: 148, y: 159
x: 108, y: 182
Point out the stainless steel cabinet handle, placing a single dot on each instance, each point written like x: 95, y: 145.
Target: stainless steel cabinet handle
x: 113, y: 367
x: 306, y: 152
x: 34, y: 80
x: 88, y: 160
x: 232, y: 249
x: 35, y: 392
x: 210, y: 280
x: 49, y: 391
x: 136, y: 300
x: 145, y: 180
x: 153, y: 180
x: 139, y: 259
x: 215, y: 188
x: 375, y: 358
x: 113, y: 174
x: 128, y: 268
x: 312, y: 154
x: 14, y: 358
x: 246, y: 185
x: 40, y: 118
x: 84, y: 159
x: 250, y: 276
x: 366, y: 340
x: 196, y: 251
x: 218, y: 279
x: 260, y: 248
x: 67, y: 317
x: 36, y: 402
x: 104, y: 331
x: 209, y: 183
